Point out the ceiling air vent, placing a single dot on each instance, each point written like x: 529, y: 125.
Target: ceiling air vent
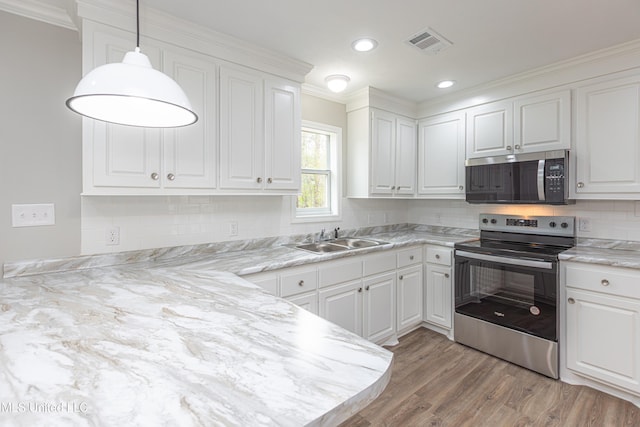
x: 428, y: 41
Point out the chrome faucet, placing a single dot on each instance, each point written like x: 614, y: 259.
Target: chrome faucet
x: 321, y: 235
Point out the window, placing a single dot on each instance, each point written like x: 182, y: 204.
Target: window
x: 320, y: 187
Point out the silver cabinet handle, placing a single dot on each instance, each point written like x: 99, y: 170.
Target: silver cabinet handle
x: 411, y: 257
x: 517, y: 147
x: 509, y: 147
x: 393, y: 188
x: 259, y: 180
x: 301, y: 283
x: 155, y: 176
x: 461, y: 188
x: 366, y: 288
x: 171, y: 177
x: 604, y: 282
x: 571, y: 301
x: 437, y: 256
x: 580, y: 184
x: 446, y: 275
x: 359, y: 289
x: 269, y: 180
x: 401, y: 277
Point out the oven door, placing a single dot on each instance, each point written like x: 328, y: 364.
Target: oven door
x: 517, y: 293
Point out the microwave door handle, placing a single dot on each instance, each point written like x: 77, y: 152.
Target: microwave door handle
x: 541, y: 180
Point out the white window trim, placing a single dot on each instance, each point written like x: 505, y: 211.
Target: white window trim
x: 336, y: 179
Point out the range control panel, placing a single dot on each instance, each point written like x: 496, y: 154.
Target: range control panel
x: 548, y: 225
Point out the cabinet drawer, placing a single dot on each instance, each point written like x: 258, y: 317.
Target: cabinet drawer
x: 436, y: 255
x: 609, y: 280
x: 374, y: 264
x: 409, y: 256
x: 297, y: 281
x: 339, y: 272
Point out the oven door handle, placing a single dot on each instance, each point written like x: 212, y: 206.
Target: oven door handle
x: 505, y: 260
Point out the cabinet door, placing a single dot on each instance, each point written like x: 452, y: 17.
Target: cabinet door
x: 282, y: 135
x: 241, y: 129
x: 379, y: 307
x: 405, y: 164
x: 189, y: 156
x: 603, y: 337
x: 490, y: 129
x: 441, y: 155
x: 383, y: 133
x: 409, y: 297
x: 117, y: 155
x: 308, y: 302
x: 542, y: 123
x: 342, y: 305
x: 438, y: 303
x: 607, y: 139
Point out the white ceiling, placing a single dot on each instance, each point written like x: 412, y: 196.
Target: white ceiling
x: 491, y: 38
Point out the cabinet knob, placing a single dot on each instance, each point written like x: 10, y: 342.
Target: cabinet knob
x: 155, y: 176
x: 401, y: 277
x: 269, y: 180
x: 301, y: 283
x: 393, y: 188
x: 411, y: 257
x: 366, y: 288
x: 571, y: 301
x: 517, y: 147
x: 446, y: 275
x: 604, y: 282
x: 359, y: 289
x: 437, y: 256
x: 171, y: 177
x: 580, y: 184
x: 461, y: 188
x: 509, y: 147
x: 259, y: 180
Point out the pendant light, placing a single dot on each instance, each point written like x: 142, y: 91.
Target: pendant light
x: 132, y: 93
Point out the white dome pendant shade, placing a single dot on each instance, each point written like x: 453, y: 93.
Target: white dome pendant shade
x: 132, y: 93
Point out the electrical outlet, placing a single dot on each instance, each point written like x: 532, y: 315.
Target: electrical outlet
x: 584, y: 224
x: 233, y: 228
x: 112, y: 236
x: 33, y: 215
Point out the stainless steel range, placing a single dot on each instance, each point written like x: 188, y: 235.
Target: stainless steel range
x: 506, y: 288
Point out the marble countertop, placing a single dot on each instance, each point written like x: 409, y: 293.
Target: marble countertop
x: 613, y: 253
x: 174, y: 337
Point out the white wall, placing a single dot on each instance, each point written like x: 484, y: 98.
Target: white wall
x: 40, y: 146
x: 618, y: 220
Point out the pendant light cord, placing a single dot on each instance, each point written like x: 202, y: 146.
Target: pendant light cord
x: 138, y: 24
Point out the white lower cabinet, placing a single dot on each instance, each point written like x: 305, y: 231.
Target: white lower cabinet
x: 342, y: 305
x: 379, y: 309
x: 308, y: 301
x: 438, y: 283
x: 409, y: 297
x: 603, y: 324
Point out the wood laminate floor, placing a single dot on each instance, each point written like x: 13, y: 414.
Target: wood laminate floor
x: 436, y: 382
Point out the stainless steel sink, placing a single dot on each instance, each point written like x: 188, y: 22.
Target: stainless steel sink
x: 338, y: 245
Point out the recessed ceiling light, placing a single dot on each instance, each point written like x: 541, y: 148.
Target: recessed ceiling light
x: 445, y: 84
x: 364, y: 44
x: 337, y: 82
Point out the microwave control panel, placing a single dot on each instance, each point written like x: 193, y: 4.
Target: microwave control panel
x: 554, y: 179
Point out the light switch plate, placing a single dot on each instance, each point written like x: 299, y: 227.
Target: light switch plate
x: 33, y: 215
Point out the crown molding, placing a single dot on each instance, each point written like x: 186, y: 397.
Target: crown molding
x: 40, y: 11
x: 319, y: 92
x: 169, y: 29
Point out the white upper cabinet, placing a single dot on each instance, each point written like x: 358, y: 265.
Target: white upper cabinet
x: 542, y: 123
x: 189, y: 157
x: 441, y: 155
x: 524, y: 124
x: 382, y: 150
x: 607, y: 146
x: 241, y: 129
x: 490, y: 130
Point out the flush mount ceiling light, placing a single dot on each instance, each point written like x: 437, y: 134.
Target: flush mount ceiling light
x: 445, y: 84
x: 364, y: 44
x: 132, y: 93
x: 337, y: 82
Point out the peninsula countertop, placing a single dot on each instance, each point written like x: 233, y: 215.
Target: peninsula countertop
x: 166, y: 337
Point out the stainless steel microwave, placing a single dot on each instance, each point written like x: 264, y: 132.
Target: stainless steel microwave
x: 540, y: 178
